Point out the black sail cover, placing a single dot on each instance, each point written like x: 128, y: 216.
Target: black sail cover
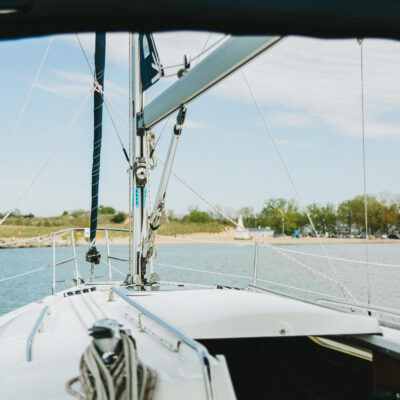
x: 150, y: 67
x: 99, y: 65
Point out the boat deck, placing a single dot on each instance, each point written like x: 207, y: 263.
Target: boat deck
x: 41, y: 343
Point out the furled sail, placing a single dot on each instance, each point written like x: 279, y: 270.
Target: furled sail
x: 99, y: 65
x: 150, y: 65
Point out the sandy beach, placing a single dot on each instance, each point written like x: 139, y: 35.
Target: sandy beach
x: 227, y: 236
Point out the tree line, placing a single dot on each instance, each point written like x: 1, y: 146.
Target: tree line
x: 284, y: 216
x: 281, y: 215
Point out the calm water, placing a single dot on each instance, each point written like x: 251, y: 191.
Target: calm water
x: 222, y: 258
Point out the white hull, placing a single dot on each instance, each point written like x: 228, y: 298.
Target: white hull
x: 202, y: 314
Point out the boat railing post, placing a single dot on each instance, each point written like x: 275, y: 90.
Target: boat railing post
x: 53, y: 245
x: 78, y: 280
x: 255, y: 262
x: 108, y: 255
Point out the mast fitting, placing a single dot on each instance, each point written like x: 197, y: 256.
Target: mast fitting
x: 180, y: 119
x: 93, y: 255
x: 140, y: 172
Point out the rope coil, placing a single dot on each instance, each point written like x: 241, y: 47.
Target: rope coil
x: 126, y: 378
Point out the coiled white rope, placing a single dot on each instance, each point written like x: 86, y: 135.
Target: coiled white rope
x: 125, y: 379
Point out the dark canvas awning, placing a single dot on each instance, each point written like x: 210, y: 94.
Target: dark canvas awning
x: 323, y: 18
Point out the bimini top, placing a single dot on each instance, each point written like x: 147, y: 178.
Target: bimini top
x: 211, y: 313
x: 339, y: 18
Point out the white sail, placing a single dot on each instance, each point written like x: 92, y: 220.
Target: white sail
x: 241, y: 233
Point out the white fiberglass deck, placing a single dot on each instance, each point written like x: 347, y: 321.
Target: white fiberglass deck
x: 213, y: 313
x: 206, y: 313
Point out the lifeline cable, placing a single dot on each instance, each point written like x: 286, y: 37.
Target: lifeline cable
x: 287, y: 171
x: 316, y: 272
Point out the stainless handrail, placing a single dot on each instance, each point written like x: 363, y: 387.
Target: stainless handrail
x: 200, y: 349
x: 255, y: 263
x: 35, y: 329
x: 263, y: 289
x: 331, y: 306
x: 361, y: 306
x: 52, y: 236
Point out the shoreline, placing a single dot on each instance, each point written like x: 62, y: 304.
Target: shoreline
x: 227, y: 236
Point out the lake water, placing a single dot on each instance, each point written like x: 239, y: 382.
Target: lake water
x: 234, y: 259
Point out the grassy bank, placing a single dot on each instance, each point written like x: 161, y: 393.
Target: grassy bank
x: 19, y: 227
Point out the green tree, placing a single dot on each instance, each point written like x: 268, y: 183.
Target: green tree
x: 279, y: 214
x: 323, y: 217
x: 349, y: 211
x: 118, y: 218
x: 353, y: 212
x: 302, y: 220
x: 106, y: 210
x: 376, y: 211
x: 390, y: 216
x: 197, y: 216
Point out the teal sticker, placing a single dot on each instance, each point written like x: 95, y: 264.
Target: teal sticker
x: 137, y: 198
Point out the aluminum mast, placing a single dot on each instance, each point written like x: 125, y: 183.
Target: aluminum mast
x: 227, y: 58
x: 140, y: 171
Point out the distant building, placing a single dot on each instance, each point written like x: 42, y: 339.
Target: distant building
x: 261, y: 232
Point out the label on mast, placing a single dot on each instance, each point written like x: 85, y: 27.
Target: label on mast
x: 137, y: 197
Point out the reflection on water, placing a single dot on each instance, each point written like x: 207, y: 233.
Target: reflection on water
x: 222, y: 258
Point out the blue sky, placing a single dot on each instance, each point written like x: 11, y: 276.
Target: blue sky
x: 308, y: 89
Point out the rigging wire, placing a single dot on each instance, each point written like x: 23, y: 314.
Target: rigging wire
x: 286, y: 168
x: 24, y: 273
x: 104, y: 96
x: 316, y: 272
x: 360, y: 42
x: 130, y: 174
x: 246, y: 277
x: 310, y: 269
x: 21, y: 113
x: 203, y: 51
x: 343, y: 288
x: 59, y: 143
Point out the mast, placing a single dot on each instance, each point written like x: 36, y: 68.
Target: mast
x: 130, y: 150
x: 146, y: 70
x: 140, y: 170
